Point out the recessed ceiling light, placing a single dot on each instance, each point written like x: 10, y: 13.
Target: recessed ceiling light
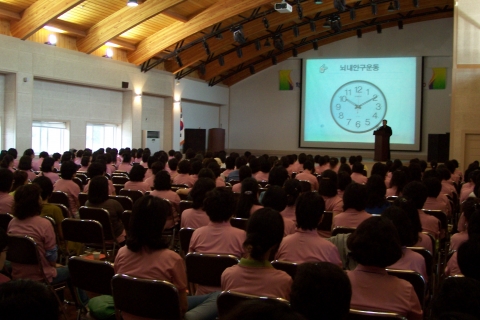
x: 132, y: 3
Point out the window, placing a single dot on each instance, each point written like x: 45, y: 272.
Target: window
x: 50, y: 136
x: 102, y: 136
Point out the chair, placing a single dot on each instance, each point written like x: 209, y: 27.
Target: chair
x: 185, y: 234
x: 59, y: 197
x: 427, y: 255
x: 5, y: 219
x: 240, y: 223
x: 392, y: 199
x: 326, y: 224
x: 59, y: 239
x: 152, y: 299
x: 79, y: 183
x: 132, y: 194
x: 82, y: 198
x: 233, y: 182
x: 177, y: 186
x: 82, y: 176
x: 288, y: 267
x: 125, y: 201
x: 263, y: 183
x: 90, y: 275
x: 126, y: 215
x: 228, y: 300
x: 338, y: 230
x: 84, y: 231
x: 416, y: 279
x: 118, y: 187
x: 185, y: 204
x: 305, y: 185
x: 120, y: 179
x: 206, y: 269
x: 373, y: 315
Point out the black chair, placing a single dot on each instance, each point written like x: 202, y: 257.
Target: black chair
x: 240, y: 223
x: 185, y: 204
x: 373, y: 315
x: 118, y: 187
x: 132, y: 194
x: 85, y: 231
x: 120, y: 179
x: 125, y: 201
x: 228, y: 300
x: 288, y: 267
x: 305, y: 185
x: 338, y: 230
x: 151, y: 299
x: 59, y: 197
x: 5, y: 219
x: 126, y: 215
x: 185, y: 234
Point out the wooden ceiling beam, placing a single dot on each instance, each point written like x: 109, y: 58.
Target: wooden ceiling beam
x: 121, y: 21
x: 62, y: 26
x: 39, y: 14
x: 124, y: 44
x: 9, y: 15
x: 174, y: 15
x: 219, y: 11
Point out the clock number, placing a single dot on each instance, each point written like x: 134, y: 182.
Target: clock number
x: 375, y: 97
x: 358, y: 89
x: 375, y: 115
x: 343, y: 98
x: 379, y: 106
x: 357, y: 124
x: 338, y: 106
x: 349, y: 121
x: 340, y: 115
x: 368, y: 92
x: 348, y: 92
x: 367, y: 122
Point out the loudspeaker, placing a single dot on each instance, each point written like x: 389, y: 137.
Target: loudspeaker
x: 438, y: 147
x: 124, y: 85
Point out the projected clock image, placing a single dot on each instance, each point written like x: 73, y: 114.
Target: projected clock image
x: 358, y: 106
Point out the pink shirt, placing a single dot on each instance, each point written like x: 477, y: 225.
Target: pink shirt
x: 429, y: 223
x: 373, y: 289
x: 289, y: 227
x: 452, y: 266
x: 194, y: 218
x: 467, y: 188
x: 170, y: 195
x: 306, y: 175
x: 320, y: 169
x: 261, y: 176
x: 150, y: 181
x: 425, y: 242
x: 41, y: 230
x: 54, y: 177
x: 137, y: 185
x: 57, y: 165
x: 350, y: 218
x: 411, y: 260
x: 219, y: 182
x: 457, y: 239
x: 436, y: 204
x: 6, y: 202
x: 30, y: 174
x: 334, y: 204
x: 110, y: 169
x: 183, y: 178
x: 36, y: 164
x: 254, y: 208
x: 111, y: 188
x: 358, y: 178
x: 237, y: 188
x: 289, y: 213
x: 257, y: 278
x: 391, y: 192
x: 448, y: 188
x: 124, y: 167
x: 313, y: 248
x: 72, y: 190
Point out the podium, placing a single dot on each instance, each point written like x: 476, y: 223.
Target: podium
x: 216, y: 139
x: 382, y: 145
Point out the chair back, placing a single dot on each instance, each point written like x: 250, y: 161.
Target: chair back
x: 373, y: 315
x: 59, y: 197
x: 83, y: 231
x: 326, y: 223
x: 392, y: 199
x: 427, y: 255
x: 82, y: 198
x: 185, y: 204
x: 82, y: 176
x: 440, y: 215
x: 416, y: 280
x: 101, y: 215
x: 206, y: 269
x: 338, y: 230
x: 126, y: 215
x: 228, y: 300
x: 91, y: 275
x: 22, y: 249
x: 176, y: 186
x: 118, y: 187
x: 125, y: 201
x: 152, y: 299
x: 133, y: 194
x: 5, y: 219
x: 185, y: 234
x: 240, y: 223
x: 120, y: 179
x: 305, y: 185
x: 289, y: 267
x: 65, y: 211
x: 79, y: 183
x: 263, y: 184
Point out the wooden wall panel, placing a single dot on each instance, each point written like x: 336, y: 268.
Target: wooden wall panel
x: 63, y: 41
x: 5, y: 27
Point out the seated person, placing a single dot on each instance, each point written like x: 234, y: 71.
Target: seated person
x: 255, y: 274
x: 262, y: 175
x: 357, y: 173
x: 156, y: 168
x: 468, y: 210
x: 328, y: 191
x: 468, y: 257
x: 276, y: 198
x: 66, y: 184
x: 435, y: 200
x: 196, y: 217
x: 47, y: 170
x: 183, y: 176
x: 243, y: 173
x: 375, y: 245
x: 354, y: 202
x: 137, y: 174
x: 307, y: 174
x: 6, y: 200
x: 125, y: 165
x: 163, y: 189
x: 321, y: 291
x: 98, y: 169
x: 49, y: 209
x: 309, y: 212
x: 376, y: 190
x: 293, y: 189
x: 458, y: 298
x: 396, y: 184
x: 248, y: 201
x: 3, y: 254
x: 25, y: 164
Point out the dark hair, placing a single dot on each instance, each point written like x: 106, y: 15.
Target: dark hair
x: 375, y: 243
x: 352, y: 160
x: 309, y: 210
x: 46, y: 185
x: 277, y: 176
x: 19, y: 179
x: 162, y: 181
x: 380, y: 169
x: 6, y: 180
x: 328, y: 183
x: 434, y: 186
x: 137, y: 173
x: 474, y: 225
x: 264, y: 231
x: 412, y: 213
x: 213, y: 165
x: 127, y: 157
x: 416, y: 192
x: 146, y: 224
x: 308, y: 165
x: 376, y: 190
x: 230, y: 163
x: 248, y: 197
x: 173, y: 164
x: 27, y: 300
x: 199, y: 190
x: 260, y: 309
x: 399, y: 180
x: 357, y: 167
x: 157, y: 166
x: 219, y: 204
x: 240, y: 161
x: 207, y: 173
x: 28, y: 152
x: 355, y: 197
x: 276, y: 198
x: 85, y: 161
x: 26, y: 202
x: 458, y: 298
x: 468, y: 257
x: 25, y: 163
x: 184, y: 167
x: 47, y: 164
x: 468, y: 208
x: 6, y: 160
x: 68, y: 169
x: 344, y: 180
x: 264, y: 165
x: 321, y: 290
x: 293, y: 189
x: 345, y: 168
x: 244, y: 172
x: 96, y: 169
x: 3, y: 240
x: 195, y: 166
x: 13, y: 152
x: 407, y: 235
x: 98, y: 190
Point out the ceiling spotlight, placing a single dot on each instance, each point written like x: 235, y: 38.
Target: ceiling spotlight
x: 315, y: 45
x: 374, y: 9
x: 359, y: 33
x: 353, y: 14
x: 336, y: 24
x: 313, y: 26
x: 179, y: 61
x: 400, y: 24
x: 201, y: 69
x: 252, y: 69
x: 238, y: 35
x: 52, y: 40
x: 177, y: 82
x: 278, y: 42
x: 267, y: 43
x: 274, y: 60
x: 258, y: 45
x: 295, y: 52
x: 239, y: 52
x: 296, y: 32
x: 221, y: 60
x: 219, y: 36
x: 416, y: 3
x: 397, y: 4
x: 317, y: 1
x: 205, y: 46
x: 132, y: 3
x: 379, y: 28
x: 265, y: 22
x: 108, y: 53
x: 391, y: 8
x: 327, y: 24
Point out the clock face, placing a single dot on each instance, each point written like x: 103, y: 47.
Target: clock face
x: 358, y: 106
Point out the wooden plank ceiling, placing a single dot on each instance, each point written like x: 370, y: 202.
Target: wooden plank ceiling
x: 195, y: 37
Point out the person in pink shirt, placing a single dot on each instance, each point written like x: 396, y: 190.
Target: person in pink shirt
x: 183, y: 176
x: 309, y: 211
x: 156, y: 168
x: 276, y: 198
x: 344, y: 179
x: 354, y: 202
x: 13, y: 152
x: 469, y: 209
x: 68, y: 170
x: 323, y: 165
x: 20, y: 178
x: 468, y: 187
x: 219, y: 181
x: 25, y: 164
x: 375, y: 245
x: 7, y: 163
x: 262, y: 174
x: 125, y: 165
x: 307, y: 174
x: 136, y: 179
x: 248, y: 200
x: 30, y: 153
x: 172, y: 168
x: 229, y: 167
x: 254, y: 274
x: 328, y: 191
x: 243, y: 173
x: 96, y: 169
x: 56, y: 165
x: 6, y: 200
x: 195, y: 167
x: 3, y: 254
x: 163, y: 189
x: 84, y: 163
x: 447, y: 183
x: 357, y: 173
x: 468, y: 256
x: 293, y: 189
x: 47, y: 170
x: 196, y: 217
x: 398, y: 181
x: 78, y: 157
x: 434, y: 198
x: 146, y: 255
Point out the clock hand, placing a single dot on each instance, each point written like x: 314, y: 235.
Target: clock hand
x: 366, y: 102
x: 356, y: 106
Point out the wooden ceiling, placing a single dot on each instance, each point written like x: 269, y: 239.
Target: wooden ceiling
x: 195, y: 38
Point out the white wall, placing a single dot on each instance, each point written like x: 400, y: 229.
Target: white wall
x: 2, y: 107
x: 200, y: 116
x: 265, y: 119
